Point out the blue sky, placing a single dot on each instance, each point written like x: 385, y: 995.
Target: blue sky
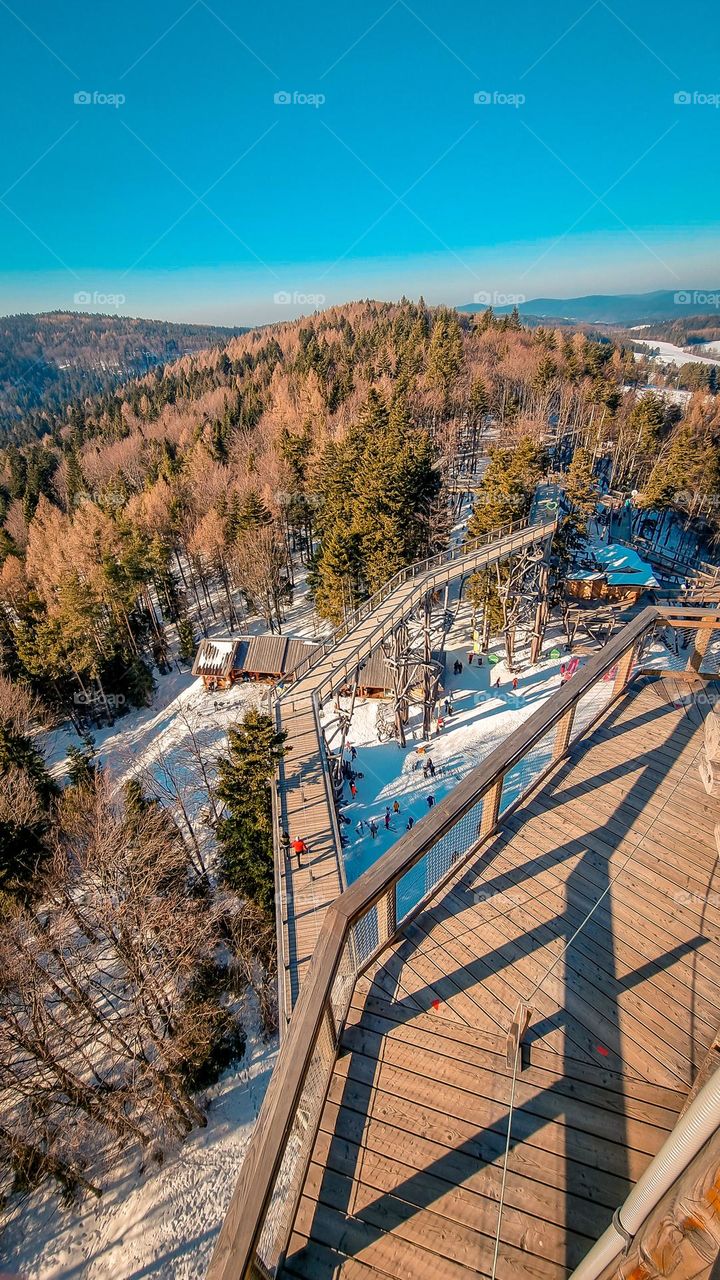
x: 200, y: 197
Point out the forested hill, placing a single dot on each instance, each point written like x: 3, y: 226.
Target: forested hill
x: 184, y: 498
x: 47, y: 360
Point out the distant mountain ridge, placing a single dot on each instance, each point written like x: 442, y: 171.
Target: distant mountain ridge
x: 615, y: 309
x: 52, y: 358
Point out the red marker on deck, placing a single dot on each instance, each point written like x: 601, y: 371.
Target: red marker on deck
x: 601, y: 1049
x: 436, y: 1004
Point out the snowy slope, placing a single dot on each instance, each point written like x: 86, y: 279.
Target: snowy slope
x: 668, y: 353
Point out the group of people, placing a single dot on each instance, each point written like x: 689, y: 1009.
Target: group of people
x: 351, y: 775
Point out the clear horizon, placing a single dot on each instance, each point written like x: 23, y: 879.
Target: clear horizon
x: 204, y: 165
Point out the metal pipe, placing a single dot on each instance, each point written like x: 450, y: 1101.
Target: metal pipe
x: 691, y: 1132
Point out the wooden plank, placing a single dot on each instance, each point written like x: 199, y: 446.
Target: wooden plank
x: 603, y: 943
x: 406, y: 1071
x: 470, y: 1126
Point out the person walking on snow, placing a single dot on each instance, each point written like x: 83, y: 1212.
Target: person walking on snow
x: 353, y: 754
x: 430, y: 801
x: 353, y: 790
x: 387, y: 817
x: 431, y: 767
x: 410, y: 823
x: 373, y: 828
x: 396, y: 807
x: 515, y: 683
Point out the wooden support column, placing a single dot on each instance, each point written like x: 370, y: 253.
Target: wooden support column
x: 387, y: 915
x: 562, y: 733
x: 491, y: 807
x: 624, y: 668
x: 703, y: 636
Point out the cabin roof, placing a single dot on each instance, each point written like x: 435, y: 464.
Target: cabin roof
x: 215, y: 658
x: 265, y: 655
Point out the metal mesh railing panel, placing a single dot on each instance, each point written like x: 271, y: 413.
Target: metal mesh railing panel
x: 431, y: 868
x: 365, y: 937
x: 526, y: 772
x: 342, y: 987
x: 593, y: 702
x: 669, y: 648
x: 710, y: 664
x: 288, y: 1182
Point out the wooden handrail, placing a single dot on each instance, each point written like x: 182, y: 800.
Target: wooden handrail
x: 234, y: 1254
x: 414, y: 570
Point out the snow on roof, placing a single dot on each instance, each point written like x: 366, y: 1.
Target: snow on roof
x: 214, y: 657
x: 622, y: 566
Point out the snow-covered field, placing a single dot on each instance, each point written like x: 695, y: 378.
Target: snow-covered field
x: 483, y: 715
x: 158, y: 1223
x: 668, y: 353
x: 151, y: 1223
x: 674, y: 395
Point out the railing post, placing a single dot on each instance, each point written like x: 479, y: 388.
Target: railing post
x: 702, y: 640
x: 387, y: 915
x: 563, y: 731
x: 331, y: 1025
x: 491, y: 807
x: 625, y: 666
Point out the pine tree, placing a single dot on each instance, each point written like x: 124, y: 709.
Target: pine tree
x: 647, y: 422
x: 187, y: 643
x: 581, y: 493
x: 81, y: 765
x: 445, y: 354
x: 507, y: 486
x: 245, y: 833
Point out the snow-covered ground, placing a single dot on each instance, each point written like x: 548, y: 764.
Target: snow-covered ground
x: 156, y: 1223
x: 674, y: 395
x: 668, y: 353
x: 483, y: 715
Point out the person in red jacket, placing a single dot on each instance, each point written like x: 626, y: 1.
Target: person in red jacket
x: 300, y: 848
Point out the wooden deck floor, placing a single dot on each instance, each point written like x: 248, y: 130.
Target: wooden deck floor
x: 305, y: 808
x: 406, y: 1172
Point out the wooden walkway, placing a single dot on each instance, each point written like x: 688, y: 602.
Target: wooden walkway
x: 406, y: 1172
x: 305, y: 805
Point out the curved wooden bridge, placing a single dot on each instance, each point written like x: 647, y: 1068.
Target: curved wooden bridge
x: 504, y: 1015
x: 305, y: 806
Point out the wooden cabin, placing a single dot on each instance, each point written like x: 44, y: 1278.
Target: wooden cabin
x: 268, y: 658
x: 612, y: 572
x: 376, y: 676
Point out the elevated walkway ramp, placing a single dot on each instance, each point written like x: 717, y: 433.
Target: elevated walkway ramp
x: 305, y: 806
